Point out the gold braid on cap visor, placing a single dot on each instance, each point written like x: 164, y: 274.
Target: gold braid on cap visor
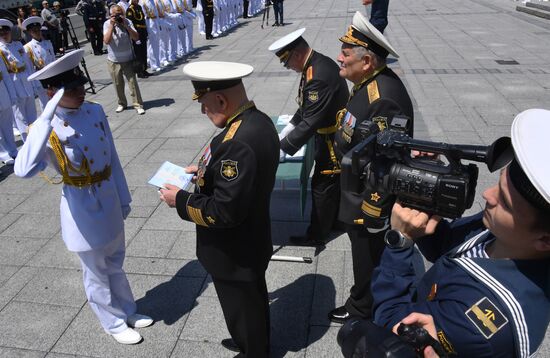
x: 199, y: 93
x: 349, y: 39
x: 284, y: 57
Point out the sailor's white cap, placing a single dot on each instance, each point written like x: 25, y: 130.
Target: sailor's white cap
x: 6, y: 22
x: 32, y: 20
x: 285, y: 44
x: 208, y: 76
x: 531, y: 142
x: 363, y: 33
x: 63, y: 72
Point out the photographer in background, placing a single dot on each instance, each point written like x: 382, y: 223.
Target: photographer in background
x: 377, y: 96
x: 62, y: 14
x: 489, y: 286
x: 118, y: 34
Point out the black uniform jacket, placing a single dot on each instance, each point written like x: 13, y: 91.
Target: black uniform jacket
x: 136, y: 15
x: 321, y: 95
x: 231, y: 201
x: 377, y: 99
x: 95, y: 12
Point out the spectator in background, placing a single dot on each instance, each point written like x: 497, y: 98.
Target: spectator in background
x: 21, y: 16
x: 52, y: 23
x: 378, y: 13
x: 278, y: 10
x: 118, y: 33
x: 63, y: 26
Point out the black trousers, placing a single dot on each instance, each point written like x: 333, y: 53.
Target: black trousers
x: 245, y: 307
x: 96, y: 37
x: 325, y: 193
x: 208, y: 15
x: 278, y: 10
x: 366, y: 250
x: 141, y: 49
x: 245, y: 8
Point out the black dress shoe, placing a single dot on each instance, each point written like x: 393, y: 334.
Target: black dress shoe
x: 275, y: 24
x: 305, y: 241
x: 339, y: 315
x: 230, y: 344
x: 147, y: 74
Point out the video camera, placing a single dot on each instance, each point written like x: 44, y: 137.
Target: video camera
x: 381, y: 166
x: 64, y: 12
x: 361, y: 338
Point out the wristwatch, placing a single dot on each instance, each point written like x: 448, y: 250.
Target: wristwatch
x: 394, y: 239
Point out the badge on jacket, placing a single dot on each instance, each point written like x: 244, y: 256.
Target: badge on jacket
x: 229, y: 170
x: 313, y: 96
x: 486, y: 317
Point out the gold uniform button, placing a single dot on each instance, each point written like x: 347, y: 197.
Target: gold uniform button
x: 99, y: 185
x: 86, y: 148
x: 91, y: 161
x: 96, y: 125
x: 104, y: 152
x: 101, y: 139
x: 65, y: 124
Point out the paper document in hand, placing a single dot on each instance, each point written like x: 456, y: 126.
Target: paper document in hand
x: 297, y: 157
x: 171, y: 174
x: 283, y: 119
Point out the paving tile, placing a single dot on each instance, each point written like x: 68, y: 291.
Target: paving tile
x: 18, y: 250
x: 185, y: 246
x: 55, y: 287
x: 152, y: 243
x: 34, y: 226
x: 32, y: 325
x: 55, y: 254
x: 20, y: 353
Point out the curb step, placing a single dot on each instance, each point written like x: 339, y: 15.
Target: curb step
x: 535, y: 9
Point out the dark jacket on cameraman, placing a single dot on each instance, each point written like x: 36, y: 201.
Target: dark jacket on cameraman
x: 482, y: 307
x: 377, y: 98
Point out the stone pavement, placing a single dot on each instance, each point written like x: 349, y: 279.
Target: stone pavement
x: 470, y: 67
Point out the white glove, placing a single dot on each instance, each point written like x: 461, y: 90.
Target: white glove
x: 49, y: 109
x: 125, y: 211
x: 287, y: 129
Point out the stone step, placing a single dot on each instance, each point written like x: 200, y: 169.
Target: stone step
x: 534, y: 11
x: 538, y: 5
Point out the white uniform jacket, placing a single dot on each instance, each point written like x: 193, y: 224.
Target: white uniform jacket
x: 41, y: 53
x: 91, y: 216
x: 19, y: 66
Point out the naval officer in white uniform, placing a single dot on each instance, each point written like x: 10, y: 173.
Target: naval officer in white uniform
x: 19, y: 68
x: 73, y: 136
x: 40, y: 52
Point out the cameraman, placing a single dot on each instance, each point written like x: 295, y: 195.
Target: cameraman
x: 489, y: 286
x: 118, y: 35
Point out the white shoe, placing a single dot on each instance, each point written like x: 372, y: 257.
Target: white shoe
x: 156, y: 69
x: 140, y: 111
x: 128, y: 336
x: 119, y: 109
x: 10, y: 161
x: 139, y: 320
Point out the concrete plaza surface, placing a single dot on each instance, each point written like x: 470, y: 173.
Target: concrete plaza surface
x: 470, y: 67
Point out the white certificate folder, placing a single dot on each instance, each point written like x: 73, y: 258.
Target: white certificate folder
x: 171, y: 174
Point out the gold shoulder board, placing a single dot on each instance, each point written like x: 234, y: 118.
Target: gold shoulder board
x: 372, y: 89
x: 232, y: 130
x: 309, y: 74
